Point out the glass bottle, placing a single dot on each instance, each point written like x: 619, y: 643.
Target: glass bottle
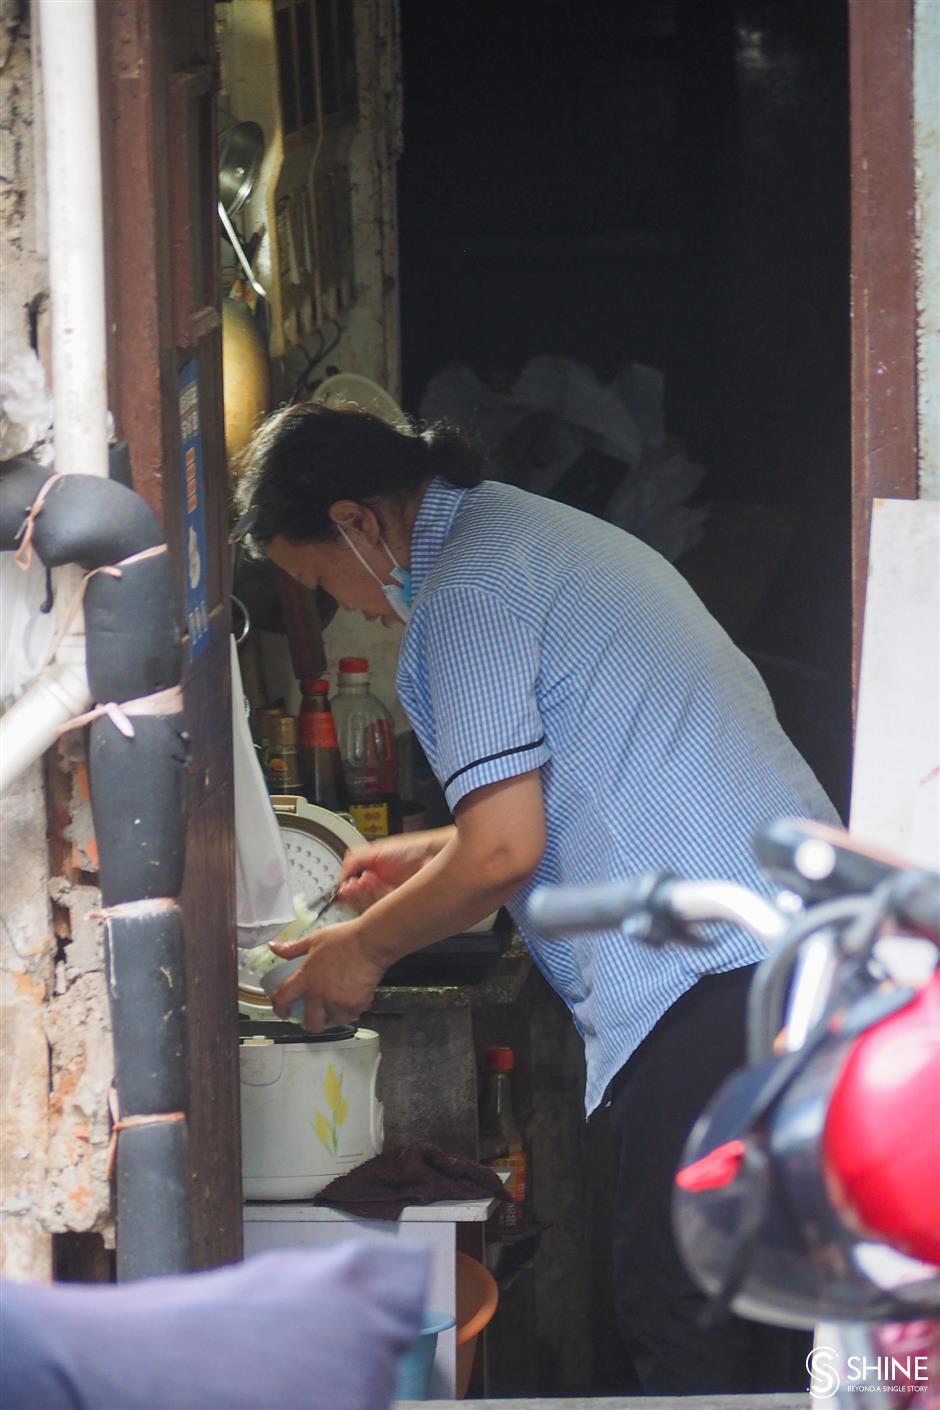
x: 366, y: 734
x: 282, y: 771
x: 262, y: 730
x: 321, y: 768
x: 501, y: 1144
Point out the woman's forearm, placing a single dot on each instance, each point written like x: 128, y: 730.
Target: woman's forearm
x: 494, y: 848
x: 437, y: 838
x: 450, y: 893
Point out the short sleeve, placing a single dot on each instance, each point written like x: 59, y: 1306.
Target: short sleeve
x: 471, y: 683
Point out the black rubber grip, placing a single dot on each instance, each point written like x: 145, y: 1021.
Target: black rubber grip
x: 558, y: 910
x: 916, y: 900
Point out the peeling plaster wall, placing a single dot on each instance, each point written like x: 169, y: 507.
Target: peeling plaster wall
x: 23, y: 285
x: 77, y: 1191
x: 56, y: 1058
x: 27, y: 948
x: 927, y: 216
x: 55, y: 1045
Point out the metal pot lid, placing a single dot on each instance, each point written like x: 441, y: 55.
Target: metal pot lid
x: 241, y: 149
x: 278, y: 1031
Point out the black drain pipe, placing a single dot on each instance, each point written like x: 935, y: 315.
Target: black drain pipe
x: 136, y: 781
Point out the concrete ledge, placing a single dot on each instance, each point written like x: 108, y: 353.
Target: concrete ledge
x: 670, y: 1402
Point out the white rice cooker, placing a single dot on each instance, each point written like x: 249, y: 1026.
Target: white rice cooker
x: 309, y: 1105
x: 309, y: 1109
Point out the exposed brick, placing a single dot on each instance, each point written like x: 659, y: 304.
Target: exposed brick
x: 77, y: 1195
x: 26, y: 955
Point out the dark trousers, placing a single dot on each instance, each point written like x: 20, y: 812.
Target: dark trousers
x: 653, y: 1103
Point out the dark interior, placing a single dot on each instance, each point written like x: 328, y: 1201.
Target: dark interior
x: 666, y: 182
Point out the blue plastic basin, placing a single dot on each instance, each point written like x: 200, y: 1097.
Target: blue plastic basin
x: 414, y: 1367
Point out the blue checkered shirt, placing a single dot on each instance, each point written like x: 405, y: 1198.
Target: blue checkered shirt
x: 544, y: 638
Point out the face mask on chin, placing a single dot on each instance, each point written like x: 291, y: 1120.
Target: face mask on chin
x: 396, y: 594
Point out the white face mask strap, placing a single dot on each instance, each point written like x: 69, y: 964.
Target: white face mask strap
x: 391, y: 557
x: 371, y: 571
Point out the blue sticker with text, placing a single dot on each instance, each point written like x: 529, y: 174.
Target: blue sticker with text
x: 195, y: 557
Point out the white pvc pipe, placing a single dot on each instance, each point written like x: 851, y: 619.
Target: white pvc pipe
x: 69, y: 56
x: 69, y: 52
x: 32, y: 724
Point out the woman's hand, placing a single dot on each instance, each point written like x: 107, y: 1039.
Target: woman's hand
x: 371, y: 872
x: 337, y: 980
x: 426, y: 886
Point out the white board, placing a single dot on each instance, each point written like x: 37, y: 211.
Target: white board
x: 896, y: 774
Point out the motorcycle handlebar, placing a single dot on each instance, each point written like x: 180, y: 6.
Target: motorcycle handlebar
x: 674, y: 907
x: 558, y: 910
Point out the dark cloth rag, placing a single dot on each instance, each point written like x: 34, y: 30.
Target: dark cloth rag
x: 419, y: 1173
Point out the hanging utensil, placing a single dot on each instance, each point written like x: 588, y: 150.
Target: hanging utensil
x: 241, y: 149
x: 232, y: 234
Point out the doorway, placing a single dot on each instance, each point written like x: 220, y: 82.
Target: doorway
x: 662, y: 182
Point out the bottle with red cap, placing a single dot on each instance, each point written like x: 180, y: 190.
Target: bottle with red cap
x: 321, y: 768
x: 366, y: 734
x: 501, y: 1143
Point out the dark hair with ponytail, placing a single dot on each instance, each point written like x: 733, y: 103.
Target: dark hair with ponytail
x: 307, y: 456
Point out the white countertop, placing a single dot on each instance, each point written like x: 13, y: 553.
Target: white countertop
x: 472, y: 1211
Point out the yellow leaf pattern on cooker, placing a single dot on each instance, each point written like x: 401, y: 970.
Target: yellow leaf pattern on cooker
x: 332, y: 1087
x: 324, y: 1130
x: 342, y: 1111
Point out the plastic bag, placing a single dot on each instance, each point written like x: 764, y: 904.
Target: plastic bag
x: 25, y: 633
x: 25, y: 404
x: 456, y: 394
x: 572, y: 392
x: 558, y: 410
x: 650, y: 503
x: 263, y: 901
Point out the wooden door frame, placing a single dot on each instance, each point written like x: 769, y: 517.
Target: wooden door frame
x: 155, y: 56
x: 883, y: 274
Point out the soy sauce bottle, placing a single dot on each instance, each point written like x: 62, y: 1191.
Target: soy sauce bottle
x: 321, y: 768
x: 501, y: 1144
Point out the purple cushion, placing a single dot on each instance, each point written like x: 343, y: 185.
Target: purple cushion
x: 296, y: 1329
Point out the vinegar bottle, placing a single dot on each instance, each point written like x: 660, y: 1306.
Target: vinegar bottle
x: 321, y: 768
x: 501, y: 1141
x: 366, y: 735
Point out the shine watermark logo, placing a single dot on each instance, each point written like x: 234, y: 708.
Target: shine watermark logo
x: 858, y: 1374
x: 824, y: 1378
